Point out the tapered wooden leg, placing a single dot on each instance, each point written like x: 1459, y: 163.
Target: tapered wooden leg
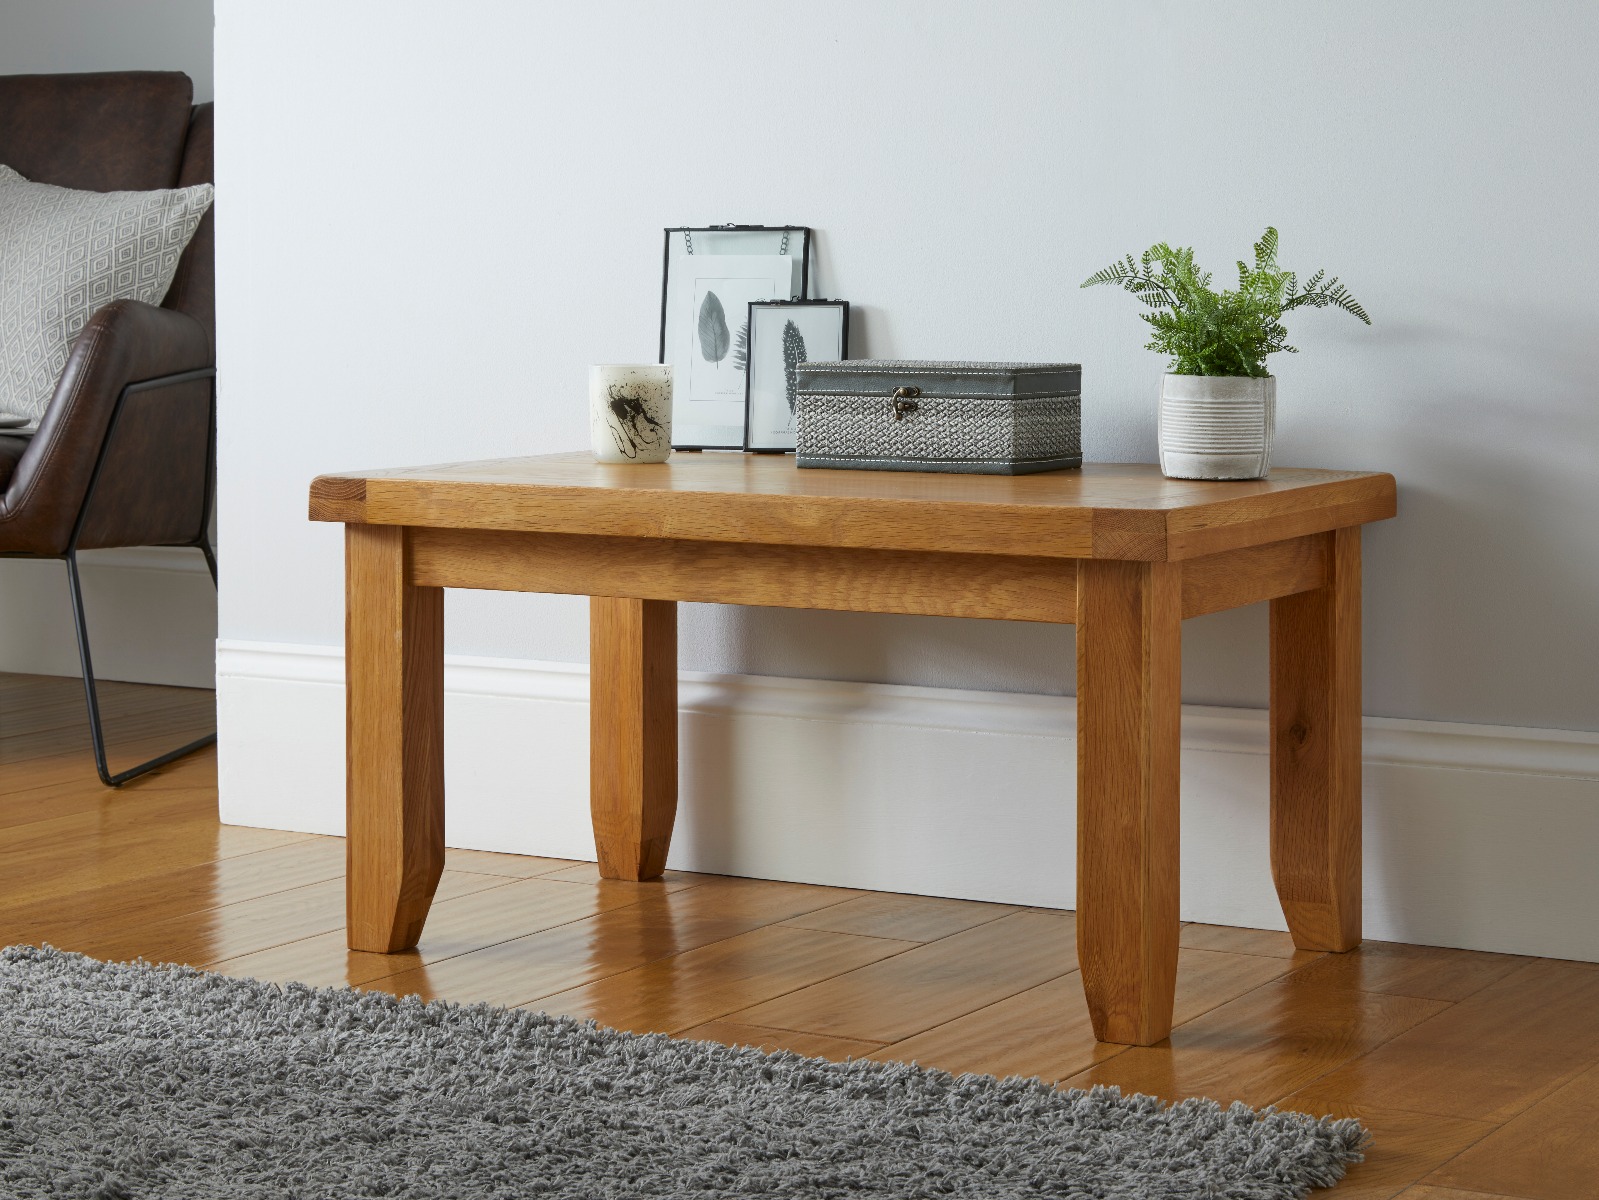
x: 1129, y: 703
x: 1315, y: 754
x: 394, y: 730
x: 632, y: 734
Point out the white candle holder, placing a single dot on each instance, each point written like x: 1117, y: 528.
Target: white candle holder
x: 630, y: 412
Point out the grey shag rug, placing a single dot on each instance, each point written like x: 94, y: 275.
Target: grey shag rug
x: 122, y: 1082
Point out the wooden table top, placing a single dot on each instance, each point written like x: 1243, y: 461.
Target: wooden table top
x: 1103, y: 510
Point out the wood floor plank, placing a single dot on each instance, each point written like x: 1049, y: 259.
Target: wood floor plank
x: 86, y: 851
x: 1549, y: 1152
x: 18, y: 692
x: 934, y: 983
x: 75, y: 764
x: 121, y: 734
x: 67, y: 712
x: 1489, y: 1057
x: 1045, y: 1031
x: 660, y: 924
x: 15, y: 683
x: 708, y: 982
x: 81, y: 791
x: 1267, y: 1043
x: 455, y: 926
x: 67, y: 709
x: 1233, y: 940
x: 1405, y: 1145
x: 811, y: 1045
x: 196, y: 771
x: 522, y: 866
x: 122, y: 911
x: 816, y: 896
x: 32, y: 703
x: 199, y: 939
x: 587, y: 872
x: 904, y: 918
x: 122, y: 812
x: 1434, y: 972
x: 84, y: 793
x: 1422, y: 1191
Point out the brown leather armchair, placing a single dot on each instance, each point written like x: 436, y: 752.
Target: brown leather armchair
x: 124, y: 454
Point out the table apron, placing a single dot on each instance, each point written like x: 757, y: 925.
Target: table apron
x: 1249, y: 575
x: 889, y: 581
x: 994, y: 586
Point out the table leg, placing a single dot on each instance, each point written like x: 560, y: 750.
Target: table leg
x: 1129, y: 702
x: 394, y: 730
x: 1315, y: 754
x: 632, y: 733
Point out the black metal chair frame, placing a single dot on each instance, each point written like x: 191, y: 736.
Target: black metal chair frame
x: 201, y: 542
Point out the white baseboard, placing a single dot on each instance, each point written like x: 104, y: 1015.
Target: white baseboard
x: 1476, y: 836
x: 152, y: 616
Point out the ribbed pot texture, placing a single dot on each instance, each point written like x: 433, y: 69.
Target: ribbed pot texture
x: 1216, y: 426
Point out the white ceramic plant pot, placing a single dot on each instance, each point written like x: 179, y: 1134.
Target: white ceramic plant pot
x: 1216, y: 426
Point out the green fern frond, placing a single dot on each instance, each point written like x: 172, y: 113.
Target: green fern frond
x: 1117, y: 272
x: 1338, y: 295
x: 1266, y: 250
x: 1206, y: 332
x: 1331, y: 294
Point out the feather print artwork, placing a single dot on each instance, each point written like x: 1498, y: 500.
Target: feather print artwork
x: 714, y: 338
x: 793, y: 355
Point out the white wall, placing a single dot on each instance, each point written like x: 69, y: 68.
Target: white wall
x: 452, y: 210
x: 455, y: 209
x: 152, y: 616
x: 47, y: 37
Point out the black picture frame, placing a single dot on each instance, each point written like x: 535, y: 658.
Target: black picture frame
x: 690, y: 432
x: 756, y: 438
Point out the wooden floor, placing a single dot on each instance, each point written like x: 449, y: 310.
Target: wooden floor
x: 1477, y: 1073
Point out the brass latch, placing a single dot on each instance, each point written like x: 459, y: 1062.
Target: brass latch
x: 903, y: 402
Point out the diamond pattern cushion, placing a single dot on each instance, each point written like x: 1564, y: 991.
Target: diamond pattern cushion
x: 63, y: 255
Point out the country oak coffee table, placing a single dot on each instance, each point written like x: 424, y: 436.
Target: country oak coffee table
x: 1120, y: 551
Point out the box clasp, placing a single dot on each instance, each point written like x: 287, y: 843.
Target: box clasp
x: 904, y: 401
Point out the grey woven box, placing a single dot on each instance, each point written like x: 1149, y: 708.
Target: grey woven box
x: 971, y: 418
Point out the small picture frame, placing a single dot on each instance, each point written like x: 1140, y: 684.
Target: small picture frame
x: 783, y: 334
x: 708, y: 278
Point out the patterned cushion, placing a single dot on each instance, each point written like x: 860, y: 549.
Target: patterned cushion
x: 63, y: 255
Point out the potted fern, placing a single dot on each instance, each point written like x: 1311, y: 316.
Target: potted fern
x: 1217, y: 400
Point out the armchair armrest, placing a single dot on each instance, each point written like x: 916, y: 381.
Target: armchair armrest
x: 125, y: 342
